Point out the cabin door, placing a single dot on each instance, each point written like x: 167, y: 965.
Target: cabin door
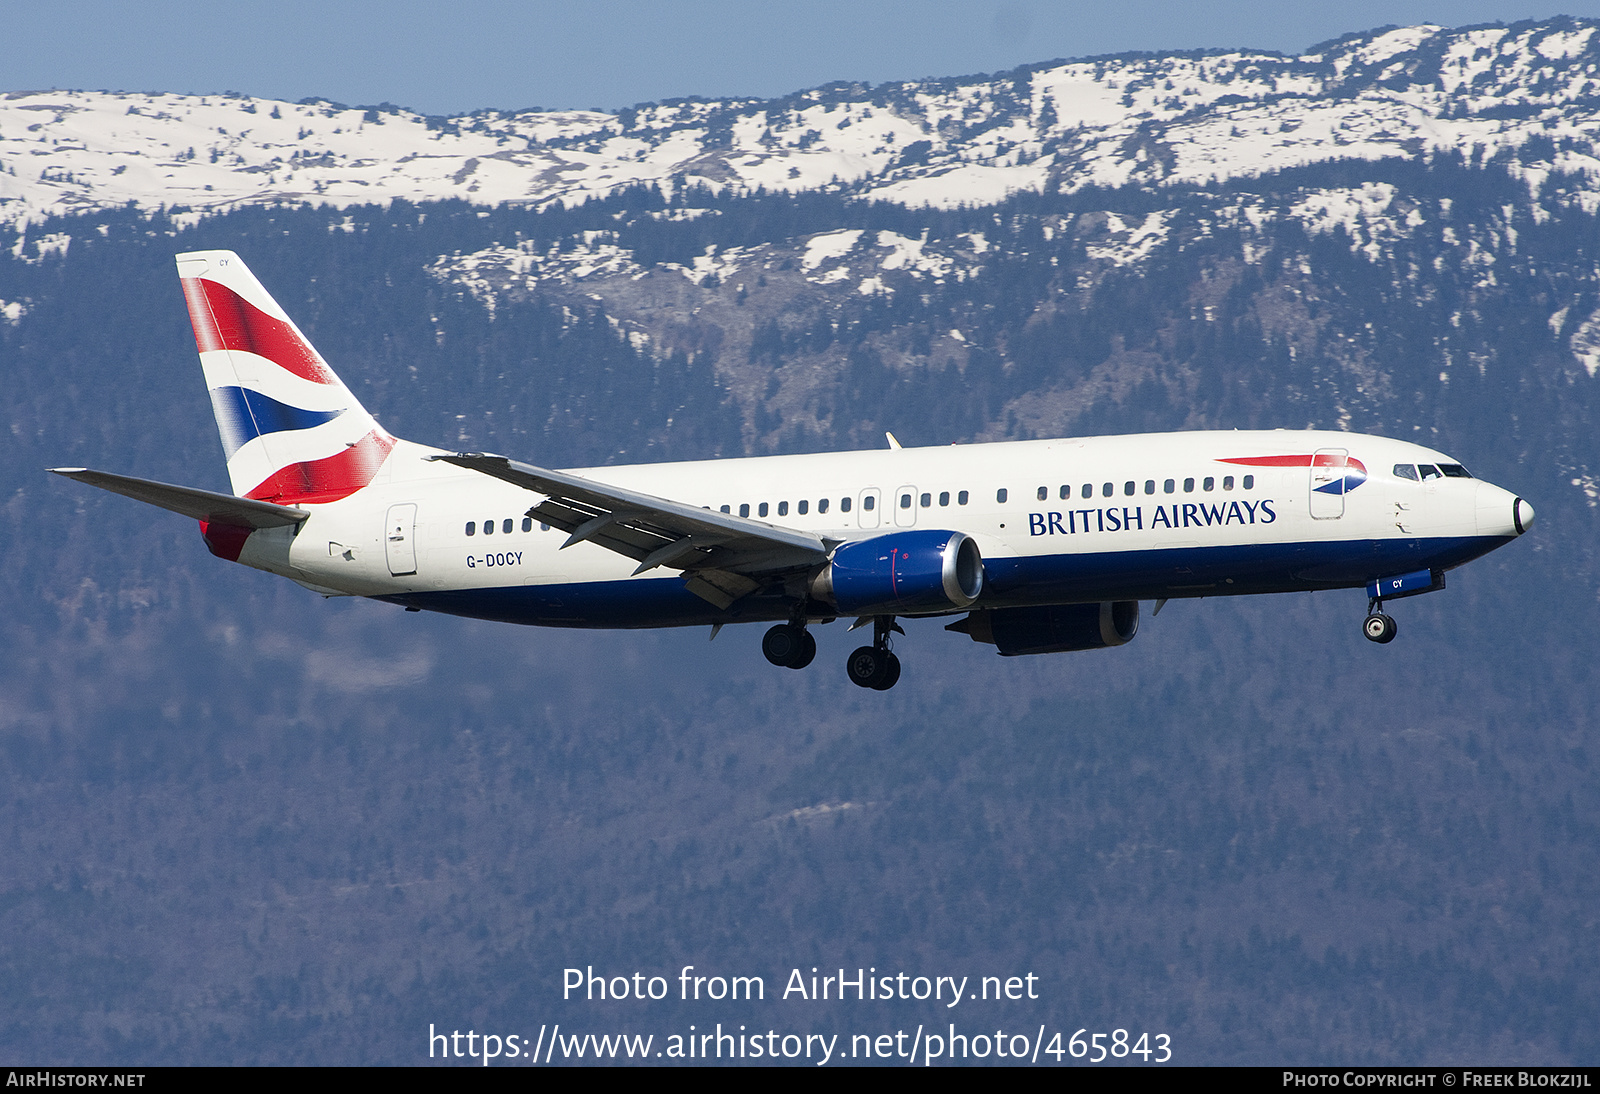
x: 399, y: 539
x: 1328, y: 471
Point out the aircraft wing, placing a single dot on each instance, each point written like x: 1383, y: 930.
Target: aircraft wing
x: 723, y: 556
x: 200, y: 504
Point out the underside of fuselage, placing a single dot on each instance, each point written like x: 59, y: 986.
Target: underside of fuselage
x: 1191, y: 572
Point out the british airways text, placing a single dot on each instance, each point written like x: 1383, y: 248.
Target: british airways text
x: 1126, y: 518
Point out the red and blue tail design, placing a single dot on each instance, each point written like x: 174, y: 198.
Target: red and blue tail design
x: 293, y: 433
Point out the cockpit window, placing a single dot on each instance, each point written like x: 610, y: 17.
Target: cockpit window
x: 1405, y: 471
x: 1428, y: 471
x: 1455, y: 471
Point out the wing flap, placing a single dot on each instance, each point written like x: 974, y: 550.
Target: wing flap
x: 191, y: 502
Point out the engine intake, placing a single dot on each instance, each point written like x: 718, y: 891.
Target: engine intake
x: 901, y: 573
x: 1056, y: 629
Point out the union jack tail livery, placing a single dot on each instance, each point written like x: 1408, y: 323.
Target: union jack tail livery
x: 292, y: 432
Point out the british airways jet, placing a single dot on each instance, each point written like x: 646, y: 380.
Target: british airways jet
x: 1039, y: 546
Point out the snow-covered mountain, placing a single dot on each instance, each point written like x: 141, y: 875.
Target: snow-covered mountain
x: 1529, y: 93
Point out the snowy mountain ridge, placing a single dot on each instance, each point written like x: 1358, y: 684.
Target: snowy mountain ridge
x: 1528, y: 92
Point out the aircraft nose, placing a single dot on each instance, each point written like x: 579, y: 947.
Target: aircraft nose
x: 1502, y: 513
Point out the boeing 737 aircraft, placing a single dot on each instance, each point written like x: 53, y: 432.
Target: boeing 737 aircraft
x: 1039, y: 546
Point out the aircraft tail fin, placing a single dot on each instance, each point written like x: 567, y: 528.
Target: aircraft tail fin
x: 292, y: 432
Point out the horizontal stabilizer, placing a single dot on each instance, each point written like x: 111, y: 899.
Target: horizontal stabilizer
x: 200, y: 504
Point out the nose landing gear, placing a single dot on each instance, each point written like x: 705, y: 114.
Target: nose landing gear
x: 1379, y: 627
x: 875, y: 666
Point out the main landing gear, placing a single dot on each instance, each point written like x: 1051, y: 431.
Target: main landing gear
x: 789, y: 645
x: 1379, y: 627
x: 875, y: 666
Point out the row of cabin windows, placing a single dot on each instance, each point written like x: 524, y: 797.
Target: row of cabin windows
x: 1425, y: 471
x: 868, y: 503
x: 962, y: 497
x: 1131, y: 487
x: 505, y: 526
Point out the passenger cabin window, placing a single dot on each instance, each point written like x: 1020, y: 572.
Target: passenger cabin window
x: 1249, y: 482
x: 472, y: 527
x: 927, y: 500
x: 1088, y: 491
x: 1066, y: 492
x: 1209, y: 484
x: 802, y: 507
x: 1107, y: 490
x: 1188, y: 486
x: 1149, y: 486
x: 822, y: 506
x: 1128, y: 489
x: 725, y: 509
x: 1169, y: 486
x: 905, y: 501
x: 869, y: 502
x: 762, y: 509
x: 783, y: 508
x: 1044, y: 493
x: 961, y: 498
x: 1000, y: 495
x: 944, y: 497
x: 1428, y: 471
x: 744, y: 510
x: 505, y: 526
x: 527, y: 524
x: 1227, y: 482
x: 488, y: 527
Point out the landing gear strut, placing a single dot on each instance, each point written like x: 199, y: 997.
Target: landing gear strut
x: 875, y: 666
x: 1379, y: 627
x: 789, y: 645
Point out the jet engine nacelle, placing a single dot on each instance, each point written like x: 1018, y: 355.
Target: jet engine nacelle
x: 902, y: 573
x: 1058, y: 629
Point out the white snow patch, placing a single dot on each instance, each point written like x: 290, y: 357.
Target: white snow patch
x: 829, y: 246
x: 1585, y: 344
x: 1590, y: 488
x: 1129, y: 245
x: 1564, y: 44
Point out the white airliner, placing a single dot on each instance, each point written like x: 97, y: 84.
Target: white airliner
x: 1040, y: 546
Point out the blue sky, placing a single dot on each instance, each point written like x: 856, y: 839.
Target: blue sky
x: 460, y: 56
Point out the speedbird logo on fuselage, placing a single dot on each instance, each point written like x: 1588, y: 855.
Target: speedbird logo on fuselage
x: 1355, y: 472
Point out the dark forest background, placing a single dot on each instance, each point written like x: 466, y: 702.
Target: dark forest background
x: 244, y: 824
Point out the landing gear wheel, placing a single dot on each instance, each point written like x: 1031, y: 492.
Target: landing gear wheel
x: 1379, y: 628
x: 808, y: 651
x: 788, y: 646
x: 868, y: 667
x: 890, y: 677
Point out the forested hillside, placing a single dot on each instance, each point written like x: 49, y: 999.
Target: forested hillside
x: 248, y: 824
